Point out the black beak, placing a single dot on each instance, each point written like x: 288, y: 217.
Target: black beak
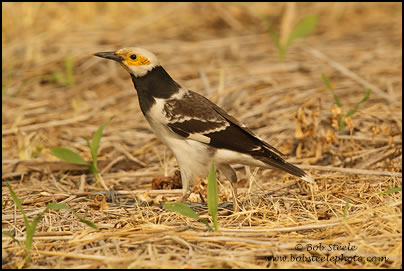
x: 109, y: 55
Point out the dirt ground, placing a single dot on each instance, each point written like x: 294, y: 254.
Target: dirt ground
x: 55, y: 93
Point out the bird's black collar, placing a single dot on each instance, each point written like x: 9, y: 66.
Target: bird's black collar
x: 156, y: 83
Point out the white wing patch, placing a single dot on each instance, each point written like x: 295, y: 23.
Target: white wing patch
x: 218, y: 129
x: 200, y: 138
x: 180, y: 94
x: 157, y: 111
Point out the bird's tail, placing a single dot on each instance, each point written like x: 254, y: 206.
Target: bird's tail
x: 277, y: 162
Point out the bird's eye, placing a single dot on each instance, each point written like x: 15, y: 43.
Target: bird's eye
x: 133, y: 57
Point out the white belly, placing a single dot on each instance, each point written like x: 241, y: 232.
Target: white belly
x: 192, y: 156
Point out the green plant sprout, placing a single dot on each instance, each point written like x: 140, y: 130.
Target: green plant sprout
x: 31, y: 226
x: 302, y: 29
x: 65, y: 78
x: 213, y: 196
x: 341, y: 119
x: 187, y: 211
x: 213, y: 200
x: 392, y: 190
x: 346, y: 208
x: 70, y: 156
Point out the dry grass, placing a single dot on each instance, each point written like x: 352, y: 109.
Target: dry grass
x: 224, y: 52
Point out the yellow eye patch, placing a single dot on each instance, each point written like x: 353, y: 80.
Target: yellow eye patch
x: 136, y: 60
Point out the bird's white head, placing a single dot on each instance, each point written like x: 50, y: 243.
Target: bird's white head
x: 137, y: 61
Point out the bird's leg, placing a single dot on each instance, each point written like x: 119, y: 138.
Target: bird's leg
x: 187, y: 185
x: 185, y: 195
x: 235, y: 204
x: 231, y: 175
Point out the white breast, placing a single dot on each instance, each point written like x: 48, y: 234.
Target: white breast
x: 191, y: 155
x: 156, y: 112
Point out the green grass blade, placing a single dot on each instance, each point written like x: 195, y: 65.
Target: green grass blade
x: 392, y: 190
x: 11, y: 235
x: 59, y: 78
x: 341, y: 124
x: 57, y: 206
x: 18, y: 204
x: 94, y: 170
x: 275, y: 36
x: 68, y: 156
x: 30, y: 231
x: 181, y: 208
x: 85, y: 221
x: 96, y: 140
x: 63, y: 206
x: 327, y: 84
x: 302, y: 29
x: 88, y: 142
x: 213, y: 197
x: 187, y: 211
x: 206, y: 222
x: 364, y: 99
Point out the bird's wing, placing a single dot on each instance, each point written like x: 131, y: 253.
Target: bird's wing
x: 195, y: 117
